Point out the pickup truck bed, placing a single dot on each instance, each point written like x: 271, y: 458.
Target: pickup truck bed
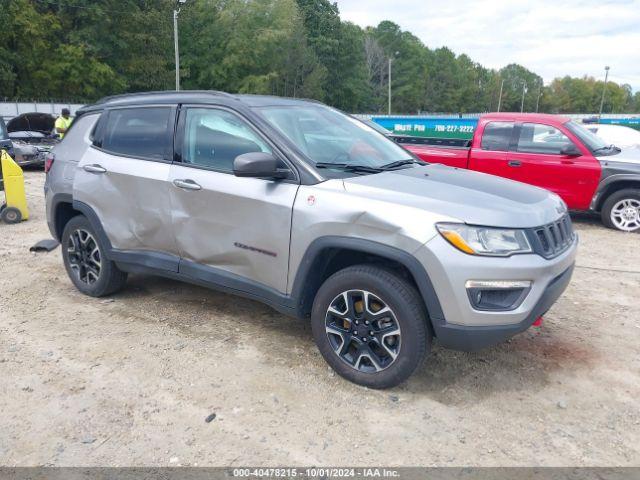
x: 454, y: 152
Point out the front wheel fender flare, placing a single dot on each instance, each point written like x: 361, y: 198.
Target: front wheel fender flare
x: 304, y: 276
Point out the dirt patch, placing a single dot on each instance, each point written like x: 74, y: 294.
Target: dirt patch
x: 130, y: 380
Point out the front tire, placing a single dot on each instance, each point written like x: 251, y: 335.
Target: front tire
x: 84, y: 258
x: 370, y: 326
x: 621, y: 210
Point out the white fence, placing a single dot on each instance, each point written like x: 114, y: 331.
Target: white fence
x: 8, y: 110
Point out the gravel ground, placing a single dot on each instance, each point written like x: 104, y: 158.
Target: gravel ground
x: 131, y: 380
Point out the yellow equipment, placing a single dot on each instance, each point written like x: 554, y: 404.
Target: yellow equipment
x: 15, y: 208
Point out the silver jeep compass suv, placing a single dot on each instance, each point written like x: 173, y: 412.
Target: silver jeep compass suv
x: 312, y: 212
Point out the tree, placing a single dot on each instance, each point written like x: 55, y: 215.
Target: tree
x: 82, y: 50
x: 515, y: 78
x: 583, y: 95
x: 409, y: 73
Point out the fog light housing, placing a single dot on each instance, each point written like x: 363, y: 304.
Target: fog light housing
x: 497, y: 295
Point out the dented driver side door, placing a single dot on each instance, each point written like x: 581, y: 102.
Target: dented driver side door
x: 238, y: 228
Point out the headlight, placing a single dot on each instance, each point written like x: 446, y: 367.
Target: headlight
x: 496, y: 242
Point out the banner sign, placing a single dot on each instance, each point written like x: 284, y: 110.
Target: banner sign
x: 627, y: 122
x: 429, y: 127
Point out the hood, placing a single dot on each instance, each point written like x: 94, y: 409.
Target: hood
x: 470, y: 197
x: 626, y: 155
x: 33, y: 122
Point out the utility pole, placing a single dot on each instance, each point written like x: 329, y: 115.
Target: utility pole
x: 177, y: 48
x: 604, y: 90
x: 524, y: 90
x: 538, y: 97
x: 500, y: 96
x: 389, y: 86
x: 176, y: 11
x: 391, y: 60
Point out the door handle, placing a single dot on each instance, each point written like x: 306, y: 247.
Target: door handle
x: 187, y: 185
x: 515, y: 163
x: 95, y: 168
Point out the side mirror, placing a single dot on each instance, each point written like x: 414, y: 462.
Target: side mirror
x: 570, y: 151
x: 259, y: 165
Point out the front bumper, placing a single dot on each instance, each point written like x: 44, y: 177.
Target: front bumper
x: 459, y: 337
x: 460, y: 326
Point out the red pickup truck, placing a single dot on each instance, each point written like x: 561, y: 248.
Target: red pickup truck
x: 548, y: 151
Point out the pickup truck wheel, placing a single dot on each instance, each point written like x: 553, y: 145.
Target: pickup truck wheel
x: 622, y: 210
x: 370, y: 326
x: 83, y: 256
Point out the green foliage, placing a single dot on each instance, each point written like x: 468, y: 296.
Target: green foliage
x: 85, y: 49
x: 584, y: 95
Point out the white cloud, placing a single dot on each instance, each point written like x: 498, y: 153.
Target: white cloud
x: 551, y: 37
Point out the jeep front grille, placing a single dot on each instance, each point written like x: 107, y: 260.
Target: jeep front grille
x: 553, y: 239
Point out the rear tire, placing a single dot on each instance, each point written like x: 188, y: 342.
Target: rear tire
x: 370, y: 326
x: 84, y: 258
x: 621, y: 211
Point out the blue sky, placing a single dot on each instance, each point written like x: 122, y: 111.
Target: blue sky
x: 552, y: 38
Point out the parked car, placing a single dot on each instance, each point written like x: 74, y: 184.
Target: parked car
x: 33, y: 137
x: 310, y: 211
x: 552, y: 152
x: 618, y: 135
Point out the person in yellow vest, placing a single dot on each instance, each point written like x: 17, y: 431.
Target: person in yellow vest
x: 63, y: 122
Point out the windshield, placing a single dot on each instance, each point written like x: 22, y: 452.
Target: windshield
x: 328, y: 137
x: 590, y: 139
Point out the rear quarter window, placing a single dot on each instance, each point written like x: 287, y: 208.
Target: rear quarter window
x: 497, y: 136
x: 137, y: 132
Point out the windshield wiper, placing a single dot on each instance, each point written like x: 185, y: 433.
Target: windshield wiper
x: 399, y: 163
x: 608, y: 148
x: 347, y: 167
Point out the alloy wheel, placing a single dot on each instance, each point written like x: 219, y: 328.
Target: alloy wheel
x: 625, y: 215
x: 85, y: 259
x: 363, y: 331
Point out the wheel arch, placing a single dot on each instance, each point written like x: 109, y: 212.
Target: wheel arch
x: 614, y: 184
x: 64, y: 208
x: 327, y: 255
x: 62, y: 211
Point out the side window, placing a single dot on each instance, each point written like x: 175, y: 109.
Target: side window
x: 139, y: 132
x: 497, y: 136
x: 538, y: 138
x: 214, y: 138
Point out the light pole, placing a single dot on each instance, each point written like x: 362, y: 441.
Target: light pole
x: 524, y: 90
x: 391, y: 60
x: 500, y: 96
x: 176, y: 11
x: 604, y: 89
x: 538, y: 97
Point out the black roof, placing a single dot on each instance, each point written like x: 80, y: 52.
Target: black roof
x: 195, y: 97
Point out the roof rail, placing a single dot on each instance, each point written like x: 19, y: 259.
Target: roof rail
x: 158, y: 93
